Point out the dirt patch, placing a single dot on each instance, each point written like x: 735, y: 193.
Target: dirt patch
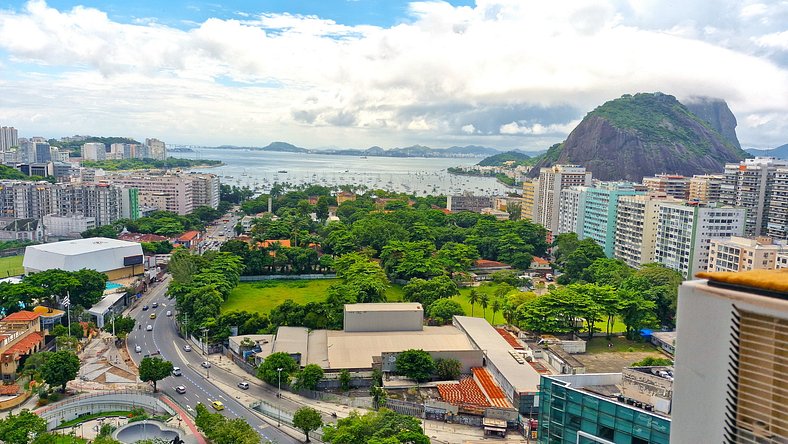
x: 612, y: 362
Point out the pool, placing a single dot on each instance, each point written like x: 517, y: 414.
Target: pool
x: 112, y: 286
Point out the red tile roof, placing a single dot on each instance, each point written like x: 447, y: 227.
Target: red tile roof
x: 284, y: 243
x: 510, y: 338
x: 484, y: 263
x: 466, y: 392
x: 540, y: 261
x: 10, y: 389
x: 23, y: 315
x: 496, y: 395
x: 188, y: 236
x: 140, y: 237
x: 23, y: 347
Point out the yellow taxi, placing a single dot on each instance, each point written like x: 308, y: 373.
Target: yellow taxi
x: 153, y: 315
x: 217, y: 405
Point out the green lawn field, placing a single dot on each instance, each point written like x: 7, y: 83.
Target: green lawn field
x: 11, y: 266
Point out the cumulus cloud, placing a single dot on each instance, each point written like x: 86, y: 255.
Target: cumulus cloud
x: 504, y: 72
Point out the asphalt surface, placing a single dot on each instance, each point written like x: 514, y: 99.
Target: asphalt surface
x: 165, y: 342
x: 216, y: 234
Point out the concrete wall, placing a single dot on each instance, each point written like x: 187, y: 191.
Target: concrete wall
x: 647, y: 387
x: 57, y: 413
x: 468, y: 359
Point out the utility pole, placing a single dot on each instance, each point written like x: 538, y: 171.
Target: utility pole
x: 279, y: 395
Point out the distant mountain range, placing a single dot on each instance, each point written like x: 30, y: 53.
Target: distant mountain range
x: 376, y: 151
x: 781, y: 152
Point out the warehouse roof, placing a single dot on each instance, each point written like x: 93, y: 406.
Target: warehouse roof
x: 96, y: 253
x: 387, y: 306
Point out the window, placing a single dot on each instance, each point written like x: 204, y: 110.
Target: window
x: 606, y: 433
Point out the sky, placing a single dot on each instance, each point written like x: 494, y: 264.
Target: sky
x: 357, y: 73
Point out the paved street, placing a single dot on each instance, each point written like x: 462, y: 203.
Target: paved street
x: 164, y: 339
x: 216, y: 234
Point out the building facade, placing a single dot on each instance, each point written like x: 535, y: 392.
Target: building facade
x: 591, y: 409
x: 636, y: 227
x: 468, y: 203
x: 684, y: 233
x: 599, y: 213
x: 706, y: 188
x: 67, y: 226
x: 8, y: 137
x: 671, y: 184
x: 548, y: 195
x: 94, y: 151
x: 156, y: 149
x: 777, y: 224
x: 571, y: 210
x: 743, y: 254
x: 749, y: 185
x: 529, y: 198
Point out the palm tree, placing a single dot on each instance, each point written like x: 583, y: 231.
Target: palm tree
x: 473, y: 298
x: 496, y: 307
x: 484, y: 300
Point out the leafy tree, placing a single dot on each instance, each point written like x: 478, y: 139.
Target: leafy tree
x: 267, y: 370
x: 607, y: 271
x: 442, y: 311
x: 362, y: 278
x: 321, y: 210
x: 14, y: 296
x: 484, y: 301
x: 415, y: 364
x: 456, y: 257
x: 563, y: 245
x: 515, y: 211
x: 77, y: 330
x: 447, y: 369
x: 108, y: 231
x: 307, y: 419
x: 124, y: 325
x: 636, y: 312
x: 428, y: 292
x: 473, y: 298
x: 377, y: 232
x: 59, y: 368
x: 154, y: 369
x: 309, y: 377
x: 18, y: 429
x: 496, y: 306
x: 651, y: 361
x: 575, y: 263
x: 344, y: 380
x: 220, y: 430
x: 382, y: 427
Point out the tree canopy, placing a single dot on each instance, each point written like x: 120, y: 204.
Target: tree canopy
x: 59, y: 367
x: 307, y: 419
x: 415, y: 364
x: 381, y: 427
x: 267, y: 371
x: 154, y: 369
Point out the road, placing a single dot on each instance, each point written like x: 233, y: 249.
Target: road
x: 197, y: 380
x: 216, y: 234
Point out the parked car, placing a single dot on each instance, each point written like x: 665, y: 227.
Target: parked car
x: 187, y: 348
x: 149, y: 327
x: 138, y: 349
x: 176, y: 371
x: 180, y: 389
x: 243, y: 385
x: 205, y: 364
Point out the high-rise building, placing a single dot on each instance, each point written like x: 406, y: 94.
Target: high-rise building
x: 637, y: 217
x: 684, y: 233
x: 732, y: 360
x: 706, y: 188
x: 94, y: 151
x: 571, y: 210
x: 468, y: 202
x: 177, y: 192
x: 743, y: 254
x: 749, y: 185
x: 529, y: 195
x: 43, y: 152
x: 777, y: 224
x: 671, y: 184
x: 599, y: 213
x: 548, y: 196
x: 8, y: 137
x: 156, y: 149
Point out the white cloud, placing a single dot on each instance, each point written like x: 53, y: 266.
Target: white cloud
x: 316, y: 82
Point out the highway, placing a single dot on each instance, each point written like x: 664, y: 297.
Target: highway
x: 164, y: 339
x: 216, y: 234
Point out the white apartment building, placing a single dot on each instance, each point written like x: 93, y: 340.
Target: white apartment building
x: 781, y: 261
x: 684, y: 233
x: 671, y: 184
x: 8, y: 137
x: 730, y: 374
x: 171, y: 191
x: 67, y: 226
x: 637, y: 218
x: 777, y: 223
x: 156, y: 149
x: 706, y: 188
x: 571, y: 209
x: 749, y: 185
x: 743, y: 254
x: 94, y: 151
x: 548, y: 194
x: 529, y: 193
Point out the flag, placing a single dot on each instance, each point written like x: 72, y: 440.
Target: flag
x: 66, y: 301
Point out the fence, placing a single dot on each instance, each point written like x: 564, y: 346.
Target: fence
x: 364, y: 402
x: 405, y: 407
x: 288, y: 277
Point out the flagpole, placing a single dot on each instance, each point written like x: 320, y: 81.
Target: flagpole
x: 67, y: 303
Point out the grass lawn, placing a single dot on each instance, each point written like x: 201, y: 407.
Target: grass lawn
x: 620, y: 344
x: 11, y: 266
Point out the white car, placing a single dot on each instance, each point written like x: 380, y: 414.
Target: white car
x: 169, y: 313
x: 149, y: 328
x: 180, y: 389
x: 138, y: 349
x: 176, y: 371
x: 187, y: 348
x: 205, y: 364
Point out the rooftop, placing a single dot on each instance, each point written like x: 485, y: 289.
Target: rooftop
x: 101, y: 307
x: 23, y: 347
x: 188, y: 236
x: 21, y: 316
x: 387, y: 306
x: 767, y: 282
x: 81, y: 246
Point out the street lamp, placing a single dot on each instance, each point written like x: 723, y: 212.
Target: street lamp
x: 279, y: 395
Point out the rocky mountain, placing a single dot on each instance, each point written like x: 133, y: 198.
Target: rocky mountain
x: 717, y: 114
x: 642, y: 135
x: 781, y: 152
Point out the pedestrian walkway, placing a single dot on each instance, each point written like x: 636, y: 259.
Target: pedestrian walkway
x: 186, y: 419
